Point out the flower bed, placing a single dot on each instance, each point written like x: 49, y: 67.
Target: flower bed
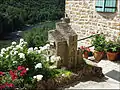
x: 35, y: 68
x: 86, y: 73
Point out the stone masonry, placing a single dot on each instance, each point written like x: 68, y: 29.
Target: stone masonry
x: 86, y: 21
x: 65, y: 40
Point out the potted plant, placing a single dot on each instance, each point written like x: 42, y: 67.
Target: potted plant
x: 118, y: 40
x: 112, y: 49
x: 98, y: 42
x: 85, y: 51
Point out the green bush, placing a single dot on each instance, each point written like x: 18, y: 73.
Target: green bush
x: 38, y: 36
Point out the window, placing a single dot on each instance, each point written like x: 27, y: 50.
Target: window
x: 106, y: 5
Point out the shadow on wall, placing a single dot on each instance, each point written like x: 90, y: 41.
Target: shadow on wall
x: 108, y: 16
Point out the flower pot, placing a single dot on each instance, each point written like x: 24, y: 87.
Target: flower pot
x: 118, y: 56
x: 112, y: 55
x: 98, y: 55
x: 85, y: 55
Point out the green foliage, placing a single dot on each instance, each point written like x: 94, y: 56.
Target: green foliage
x: 39, y: 35
x: 14, y: 14
x: 98, y: 42
x: 112, y: 46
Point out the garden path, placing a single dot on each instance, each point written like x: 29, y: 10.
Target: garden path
x: 111, y: 71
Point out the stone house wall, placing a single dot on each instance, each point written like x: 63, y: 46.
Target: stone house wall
x: 85, y: 20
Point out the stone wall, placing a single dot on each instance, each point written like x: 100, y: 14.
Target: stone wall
x: 86, y: 21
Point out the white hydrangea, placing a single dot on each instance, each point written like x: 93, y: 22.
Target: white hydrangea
x: 39, y: 65
x: 21, y: 55
x: 14, y: 43
x: 38, y: 77
x: 30, y: 50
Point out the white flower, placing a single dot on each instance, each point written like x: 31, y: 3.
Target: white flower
x: 58, y: 58
x: 14, y: 43
x: 14, y: 49
x: 25, y: 43
x: 27, y: 69
x: 40, y: 47
x: 39, y: 51
x: 1, y: 55
x: 19, y: 47
x: 38, y: 77
x: 14, y: 62
x: 15, y: 52
x: 8, y: 48
x: 63, y: 75
x: 12, y: 52
x: 3, y: 50
x: 52, y: 67
x: 35, y: 48
x: 47, y: 46
x: 34, y: 77
x: 53, y: 58
x: 21, y: 40
x: 47, y: 59
x: 21, y: 55
x: 30, y: 50
x: 39, y: 65
x: 7, y: 56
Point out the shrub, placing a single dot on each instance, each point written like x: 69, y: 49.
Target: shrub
x: 21, y: 66
x: 38, y: 36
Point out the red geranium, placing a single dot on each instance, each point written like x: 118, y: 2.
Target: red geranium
x: 84, y: 49
x: 9, y: 85
x: 20, y: 68
x: 23, y: 72
x: 13, y: 74
x: 1, y: 73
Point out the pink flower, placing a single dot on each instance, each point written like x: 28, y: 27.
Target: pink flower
x: 2, y: 87
x: 9, y: 85
x: 2, y: 73
x: 22, y: 73
x: 20, y: 68
x: 13, y: 74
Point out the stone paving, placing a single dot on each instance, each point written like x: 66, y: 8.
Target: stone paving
x: 106, y: 83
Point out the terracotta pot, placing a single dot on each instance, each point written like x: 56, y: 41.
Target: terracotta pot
x: 112, y: 55
x: 118, y: 56
x: 85, y: 55
x: 98, y: 55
